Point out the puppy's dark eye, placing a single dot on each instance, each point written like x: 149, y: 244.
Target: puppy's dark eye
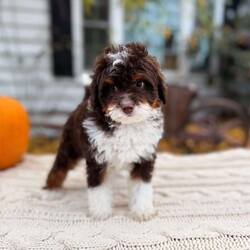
x: 114, y: 88
x: 140, y: 84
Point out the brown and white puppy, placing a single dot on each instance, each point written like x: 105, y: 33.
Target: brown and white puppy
x: 118, y: 127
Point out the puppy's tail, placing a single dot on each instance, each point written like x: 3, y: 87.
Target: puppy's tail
x: 87, y: 93
x: 86, y: 81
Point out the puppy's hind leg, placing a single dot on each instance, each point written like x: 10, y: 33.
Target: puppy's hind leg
x: 65, y: 160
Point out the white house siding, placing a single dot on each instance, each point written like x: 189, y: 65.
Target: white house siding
x: 24, y: 41
x: 25, y: 62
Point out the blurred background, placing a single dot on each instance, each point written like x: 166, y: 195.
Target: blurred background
x: 47, y: 49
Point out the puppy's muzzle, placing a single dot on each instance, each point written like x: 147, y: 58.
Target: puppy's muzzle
x: 127, y: 105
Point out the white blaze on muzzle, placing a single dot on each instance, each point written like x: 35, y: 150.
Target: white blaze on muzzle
x: 140, y: 112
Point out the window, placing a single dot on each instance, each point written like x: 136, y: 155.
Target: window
x: 96, y: 30
x: 158, y: 26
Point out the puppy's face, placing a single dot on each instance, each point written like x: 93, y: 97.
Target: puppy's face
x: 127, y: 85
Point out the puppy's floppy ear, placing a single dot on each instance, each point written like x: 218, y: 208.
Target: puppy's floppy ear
x: 162, y: 89
x: 99, y: 67
x: 159, y: 79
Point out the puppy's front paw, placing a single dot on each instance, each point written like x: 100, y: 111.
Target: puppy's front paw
x: 143, y: 213
x: 141, y: 200
x: 100, y: 213
x: 100, y: 204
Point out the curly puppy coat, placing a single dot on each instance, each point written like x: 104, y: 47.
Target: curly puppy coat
x: 118, y: 127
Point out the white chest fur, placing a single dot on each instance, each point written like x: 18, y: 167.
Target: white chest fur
x: 127, y: 144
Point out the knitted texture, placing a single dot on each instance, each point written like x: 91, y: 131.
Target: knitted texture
x: 202, y: 202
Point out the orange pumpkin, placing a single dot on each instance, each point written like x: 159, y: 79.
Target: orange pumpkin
x: 14, y: 131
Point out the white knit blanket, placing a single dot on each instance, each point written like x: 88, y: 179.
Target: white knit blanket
x: 202, y: 201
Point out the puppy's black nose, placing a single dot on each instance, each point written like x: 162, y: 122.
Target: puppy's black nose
x: 128, y: 109
x: 127, y: 106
